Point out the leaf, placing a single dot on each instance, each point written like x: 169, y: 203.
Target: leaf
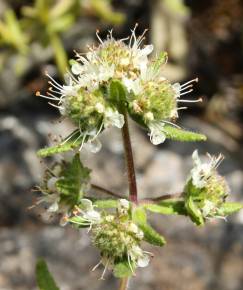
x: 177, y: 134
x: 79, y: 221
x: 44, y: 279
x: 151, y: 236
x: 104, y: 10
x: 139, y: 215
x: 122, y: 270
x: 105, y: 203
x: 167, y: 207
x: 228, y: 208
x: 193, y: 211
x: 72, y: 141
x: 73, y: 177
x: 59, y: 53
x: 117, y: 94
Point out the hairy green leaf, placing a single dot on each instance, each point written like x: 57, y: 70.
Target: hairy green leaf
x: 151, y: 236
x: 44, y: 279
x: 73, y: 177
x: 117, y: 94
x: 177, y: 134
x: 167, y: 207
x: 71, y: 142
x: 228, y: 208
x: 193, y: 211
x: 139, y: 215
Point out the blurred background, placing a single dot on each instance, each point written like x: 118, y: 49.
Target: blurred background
x: 204, y: 39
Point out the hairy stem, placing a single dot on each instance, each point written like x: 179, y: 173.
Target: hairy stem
x: 129, y: 161
x: 124, y: 283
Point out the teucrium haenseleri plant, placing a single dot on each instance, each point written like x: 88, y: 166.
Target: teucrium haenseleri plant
x: 110, y: 83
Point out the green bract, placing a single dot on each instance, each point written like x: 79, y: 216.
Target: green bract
x: 63, y: 186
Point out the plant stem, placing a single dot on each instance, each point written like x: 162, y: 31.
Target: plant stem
x: 124, y: 283
x: 105, y: 191
x: 129, y: 160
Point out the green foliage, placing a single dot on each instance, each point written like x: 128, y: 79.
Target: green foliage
x: 228, y: 208
x: 177, y: 134
x: 117, y: 94
x: 44, y: 279
x: 139, y: 215
x: 11, y: 33
x: 73, y: 178
x: 72, y: 141
x: 151, y: 236
x: 122, y: 269
x: 104, y: 10
x: 167, y: 207
x: 193, y: 211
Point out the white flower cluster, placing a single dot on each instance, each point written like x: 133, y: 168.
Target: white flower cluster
x: 114, y: 236
x: 127, y: 61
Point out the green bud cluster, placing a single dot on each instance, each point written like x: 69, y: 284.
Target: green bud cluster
x: 210, y: 198
x: 82, y: 109
x: 115, y: 236
x: 156, y: 102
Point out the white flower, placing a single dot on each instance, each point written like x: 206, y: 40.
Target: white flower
x: 93, y: 145
x: 202, y: 171
x: 139, y: 257
x: 157, y: 136
x: 143, y: 261
x: 113, y: 118
x: 88, y: 212
x: 133, y: 85
x: 51, y: 199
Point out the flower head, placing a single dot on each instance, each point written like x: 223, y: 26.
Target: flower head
x: 205, y: 187
x: 116, y: 236
x: 59, y: 194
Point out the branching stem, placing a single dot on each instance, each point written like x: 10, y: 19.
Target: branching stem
x: 105, y: 191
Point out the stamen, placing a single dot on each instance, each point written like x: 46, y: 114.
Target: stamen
x: 53, y: 105
x: 190, y: 101
x: 182, y: 108
x: 97, y: 35
x: 82, y: 144
x: 129, y: 263
x: 187, y: 92
x: 56, y: 92
x: 96, y: 266
x: 189, y: 82
x: 69, y: 137
x: 38, y: 94
x: 173, y: 124
x: 186, y: 87
x: 55, y: 82
x: 55, y: 86
x: 54, y: 97
x: 106, y: 266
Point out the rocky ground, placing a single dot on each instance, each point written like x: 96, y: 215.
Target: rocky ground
x: 195, y: 258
